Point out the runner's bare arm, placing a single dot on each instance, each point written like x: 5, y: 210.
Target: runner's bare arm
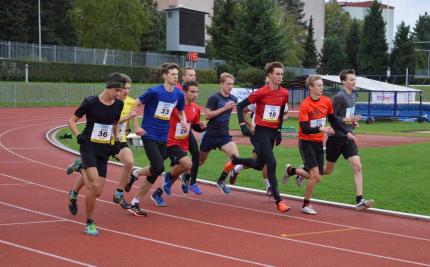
x: 72, y: 125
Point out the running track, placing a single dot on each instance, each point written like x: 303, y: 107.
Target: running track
x: 240, y: 229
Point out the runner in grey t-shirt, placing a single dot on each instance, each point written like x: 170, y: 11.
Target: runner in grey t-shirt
x: 344, y: 107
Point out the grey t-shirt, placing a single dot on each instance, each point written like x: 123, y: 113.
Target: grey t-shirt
x: 344, y: 107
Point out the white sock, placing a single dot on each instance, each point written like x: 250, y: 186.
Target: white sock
x: 266, y: 183
x: 136, y: 172
x: 134, y: 201
x: 238, y: 168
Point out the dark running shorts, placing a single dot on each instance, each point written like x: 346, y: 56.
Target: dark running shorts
x: 121, y: 146
x: 175, y: 153
x: 94, y: 155
x: 210, y: 142
x: 312, y: 154
x: 336, y: 147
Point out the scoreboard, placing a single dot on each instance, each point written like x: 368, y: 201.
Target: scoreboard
x: 185, y: 30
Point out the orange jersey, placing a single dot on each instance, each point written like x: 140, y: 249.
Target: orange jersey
x: 314, y: 112
x: 177, y: 135
x: 268, y: 105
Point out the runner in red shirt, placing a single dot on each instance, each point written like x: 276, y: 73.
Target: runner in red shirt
x: 177, y: 140
x: 270, y: 103
x: 314, y: 110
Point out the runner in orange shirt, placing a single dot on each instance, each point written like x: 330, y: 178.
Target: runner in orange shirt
x: 314, y: 110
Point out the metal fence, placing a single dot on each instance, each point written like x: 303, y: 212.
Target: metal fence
x: 68, y: 54
x: 19, y: 94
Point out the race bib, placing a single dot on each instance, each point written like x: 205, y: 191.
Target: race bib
x: 101, y: 133
x: 164, y: 110
x: 122, y: 129
x: 182, y: 133
x: 271, y: 113
x: 350, y: 112
x: 318, y: 122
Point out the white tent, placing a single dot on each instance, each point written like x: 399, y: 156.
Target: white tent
x: 382, y: 92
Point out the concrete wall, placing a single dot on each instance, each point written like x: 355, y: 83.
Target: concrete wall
x: 316, y: 9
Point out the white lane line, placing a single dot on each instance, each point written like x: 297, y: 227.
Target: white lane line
x: 14, y: 184
x: 232, y: 228
x: 25, y: 223
x: 140, y: 237
x: 45, y: 253
x: 223, y: 204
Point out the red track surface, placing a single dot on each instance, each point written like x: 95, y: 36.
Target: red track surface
x: 36, y: 228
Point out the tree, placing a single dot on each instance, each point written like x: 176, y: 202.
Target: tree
x: 56, y: 26
x: 421, y: 33
x: 294, y: 8
x: 154, y: 36
x: 222, y: 30
x: 257, y: 36
x: 352, y: 44
x: 402, y: 56
x: 373, y: 57
x: 113, y: 24
x: 292, y: 35
x: 333, y: 57
x: 337, y: 22
x: 310, y: 58
x: 13, y: 27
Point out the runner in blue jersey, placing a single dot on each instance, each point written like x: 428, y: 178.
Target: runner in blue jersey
x: 217, y: 135
x: 158, y: 103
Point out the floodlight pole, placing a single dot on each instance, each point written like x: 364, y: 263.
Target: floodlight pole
x: 40, y: 32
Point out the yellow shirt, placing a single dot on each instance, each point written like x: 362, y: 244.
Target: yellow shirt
x: 128, y: 104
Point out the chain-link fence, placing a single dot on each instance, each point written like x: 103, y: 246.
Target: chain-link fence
x: 19, y: 94
x: 68, y: 54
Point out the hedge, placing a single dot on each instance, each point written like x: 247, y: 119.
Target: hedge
x: 14, y: 70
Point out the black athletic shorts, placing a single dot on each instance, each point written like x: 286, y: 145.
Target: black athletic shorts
x: 95, y: 155
x: 340, y: 146
x: 210, y: 142
x: 312, y: 154
x: 121, y: 146
x: 175, y: 153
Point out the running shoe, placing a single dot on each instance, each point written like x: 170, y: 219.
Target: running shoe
x: 90, y: 229
x: 228, y: 167
x: 136, y: 211
x: 167, y: 183
x: 299, y: 180
x: 223, y: 187
x: 130, y: 182
x: 121, y: 201
x: 195, y: 189
x: 233, y: 176
x: 76, y: 166
x: 286, y: 174
x: 364, y: 204
x: 185, y: 184
x: 73, y: 204
x: 269, y: 192
x: 309, y: 210
x: 158, y: 199
x: 282, y: 206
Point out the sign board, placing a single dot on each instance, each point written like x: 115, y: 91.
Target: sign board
x: 388, y: 97
x: 185, y: 30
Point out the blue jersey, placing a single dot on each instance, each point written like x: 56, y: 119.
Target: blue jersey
x: 159, y: 104
x: 219, y: 125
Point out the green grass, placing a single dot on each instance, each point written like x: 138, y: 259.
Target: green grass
x: 396, y: 177
x: 425, y: 93
x: 38, y: 94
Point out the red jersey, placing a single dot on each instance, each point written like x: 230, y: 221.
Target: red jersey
x: 314, y: 112
x: 268, y: 105
x: 179, y: 85
x: 177, y: 135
